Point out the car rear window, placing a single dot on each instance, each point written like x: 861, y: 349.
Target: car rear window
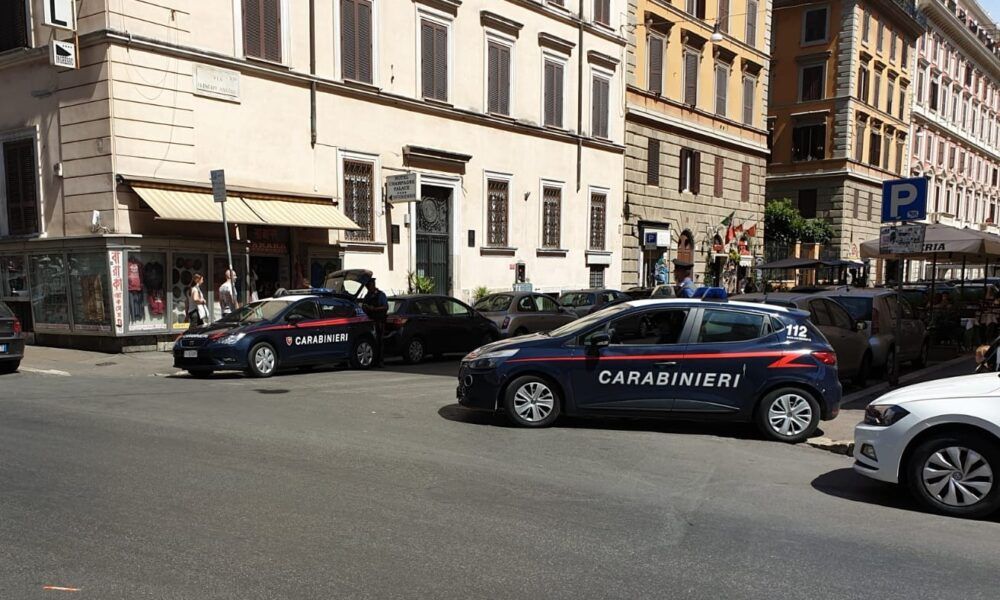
x: 574, y: 299
x: 395, y: 306
x: 5, y: 312
x: 860, y: 308
x: 496, y: 303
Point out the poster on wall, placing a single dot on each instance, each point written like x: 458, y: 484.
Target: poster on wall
x: 117, y: 290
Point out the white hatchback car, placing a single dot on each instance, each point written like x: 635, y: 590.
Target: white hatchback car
x: 941, y: 439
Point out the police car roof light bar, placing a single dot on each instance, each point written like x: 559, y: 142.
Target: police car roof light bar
x: 712, y: 294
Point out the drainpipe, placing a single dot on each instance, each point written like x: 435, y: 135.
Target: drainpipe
x: 312, y: 71
x: 579, y: 102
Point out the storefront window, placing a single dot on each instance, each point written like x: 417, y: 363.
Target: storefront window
x: 49, y: 299
x: 183, y: 269
x: 145, y: 296
x: 90, y: 286
x: 13, y: 277
x: 320, y: 268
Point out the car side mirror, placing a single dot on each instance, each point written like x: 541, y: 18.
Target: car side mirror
x: 599, y: 340
x: 295, y: 318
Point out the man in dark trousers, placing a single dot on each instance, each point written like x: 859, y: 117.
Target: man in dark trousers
x: 376, y: 306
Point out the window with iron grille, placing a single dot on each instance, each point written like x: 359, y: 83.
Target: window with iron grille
x: 497, y: 195
x: 21, y: 186
x: 262, y: 29
x: 598, y: 219
x: 356, y: 40
x: 434, y: 60
x: 596, y: 277
x: 551, y: 216
x: 498, y: 78
x: 359, y: 201
x: 13, y: 25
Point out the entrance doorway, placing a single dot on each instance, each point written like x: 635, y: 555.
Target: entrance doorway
x: 684, y: 263
x: 434, y: 236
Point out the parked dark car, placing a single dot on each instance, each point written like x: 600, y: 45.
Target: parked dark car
x: 584, y: 302
x: 423, y: 324
x: 639, y: 293
x: 845, y: 334
x: 11, y: 340
x: 518, y: 313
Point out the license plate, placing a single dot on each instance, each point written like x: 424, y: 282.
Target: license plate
x: 190, y: 354
x: 3, y: 348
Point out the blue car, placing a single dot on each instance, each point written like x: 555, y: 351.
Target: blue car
x: 291, y: 330
x: 705, y: 358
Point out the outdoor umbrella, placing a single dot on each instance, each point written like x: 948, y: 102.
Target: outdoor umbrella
x: 944, y: 241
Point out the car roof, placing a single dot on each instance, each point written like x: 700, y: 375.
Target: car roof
x: 289, y: 299
x: 587, y: 291
x: 416, y: 296
x: 696, y: 302
x: 859, y: 292
x: 782, y: 296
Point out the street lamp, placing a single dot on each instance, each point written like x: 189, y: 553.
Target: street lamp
x: 717, y: 34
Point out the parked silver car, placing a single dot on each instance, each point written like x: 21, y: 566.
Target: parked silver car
x: 876, y: 308
x: 847, y: 335
x: 518, y: 313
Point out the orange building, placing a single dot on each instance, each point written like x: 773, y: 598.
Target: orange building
x: 839, y: 109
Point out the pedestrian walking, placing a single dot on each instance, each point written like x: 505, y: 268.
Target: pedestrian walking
x: 376, y: 306
x: 196, y: 305
x: 227, y: 294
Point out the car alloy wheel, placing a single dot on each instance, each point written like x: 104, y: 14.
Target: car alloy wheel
x: 789, y: 414
x: 264, y: 360
x: 415, y: 351
x: 957, y: 476
x: 364, y: 354
x: 531, y: 401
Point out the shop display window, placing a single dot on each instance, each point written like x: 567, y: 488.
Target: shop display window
x: 13, y: 277
x: 145, y: 291
x: 49, y: 297
x: 90, y: 286
x: 182, y: 271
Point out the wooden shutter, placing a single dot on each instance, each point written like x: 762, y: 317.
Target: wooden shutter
x: 434, y: 60
x: 701, y: 9
x: 653, y: 161
x: 599, y: 107
x: 356, y: 40
x: 751, y: 23
x: 21, y: 186
x: 262, y: 29
x: 252, y: 38
x: 504, y: 81
x: 721, y: 86
x: 655, y: 68
x: 441, y: 63
x: 683, y: 172
x: 748, y: 93
x: 427, y: 59
x: 695, y: 172
x: 13, y: 26
x: 720, y: 164
x: 553, y: 94
x: 857, y: 203
x: 602, y: 11
x: 745, y: 183
x: 724, y: 16
x: 690, y: 78
x: 498, y: 66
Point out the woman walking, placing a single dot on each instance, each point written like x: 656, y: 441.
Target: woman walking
x: 197, y: 306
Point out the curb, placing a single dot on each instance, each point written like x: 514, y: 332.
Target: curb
x: 904, y: 380
x: 844, y: 447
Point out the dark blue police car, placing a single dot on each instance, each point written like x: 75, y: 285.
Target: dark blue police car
x: 297, y: 329
x: 703, y: 358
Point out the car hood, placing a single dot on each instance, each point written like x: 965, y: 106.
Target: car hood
x: 967, y: 386
x: 521, y: 341
x: 220, y: 328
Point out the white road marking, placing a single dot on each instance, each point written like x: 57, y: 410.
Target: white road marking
x: 45, y: 371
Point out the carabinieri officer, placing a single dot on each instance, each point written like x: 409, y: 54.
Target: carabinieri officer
x: 376, y: 306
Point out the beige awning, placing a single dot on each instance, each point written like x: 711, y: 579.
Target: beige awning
x: 175, y: 205
x: 300, y: 214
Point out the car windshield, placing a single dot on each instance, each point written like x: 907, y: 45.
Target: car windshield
x: 265, y: 310
x: 346, y: 283
x: 495, y: 303
x: 860, y: 308
x: 574, y: 299
x: 578, y: 326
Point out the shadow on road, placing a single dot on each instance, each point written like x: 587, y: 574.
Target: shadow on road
x: 443, y: 367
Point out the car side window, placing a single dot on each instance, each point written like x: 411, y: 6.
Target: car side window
x: 335, y: 308
x: 647, y: 328
x: 840, y: 317
x: 819, y: 313
x: 525, y: 304
x: 425, y: 306
x: 907, y: 309
x: 609, y: 297
x: 546, y: 304
x: 455, y: 308
x: 306, y: 308
x: 729, y: 326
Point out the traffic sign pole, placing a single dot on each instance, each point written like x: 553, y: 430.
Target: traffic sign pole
x: 219, y: 195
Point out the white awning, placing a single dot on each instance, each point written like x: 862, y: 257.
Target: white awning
x: 175, y: 205
x: 300, y: 214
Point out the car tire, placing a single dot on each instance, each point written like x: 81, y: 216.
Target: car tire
x: 890, y: 364
x: 864, y: 370
x: 415, y: 351
x: 199, y: 373
x: 9, y: 366
x: 532, y: 401
x: 262, y: 360
x: 788, y: 415
x: 921, y: 361
x: 940, y: 480
x: 363, y: 354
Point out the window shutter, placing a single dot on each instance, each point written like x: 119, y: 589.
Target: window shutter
x: 14, y: 26
x: 441, y: 63
x: 721, y: 83
x: 252, y: 35
x: 685, y: 163
x: 504, y: 81
x: 724, y: 16
x: 701, y: 9
x: 21, y: 186
x: 602, y: 11
x: 271, y: 29
x: 655, y: 83
x: 364, y: 41
x: 695, y: 172
x: 690, y: 78
x: 599, y: 107
x: 720, y: 164
x: 745, y: 183
x: 427, y: 59
x: 653, y: 161
x: 493, y: 77
x: 558, y: 82
x: 752, y: 22
x: 349, y: 39
x: 549, y: 101
x: 748, y: 91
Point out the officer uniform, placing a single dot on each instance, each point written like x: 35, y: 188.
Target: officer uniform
x: 376, y: 306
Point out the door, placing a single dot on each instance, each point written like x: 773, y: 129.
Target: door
x: 637, y: 371
x: 853, y: 344
x: 913, y: 332
x: 463, y: 332
x: 434, y: 237
x: 426, y: 322
x: 726, y: 361
x: 301, y: 339
x: 819, y: 314
x: 549, y: 314
x: 334, y: 325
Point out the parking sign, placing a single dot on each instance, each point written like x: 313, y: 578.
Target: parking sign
x: 904, y: 199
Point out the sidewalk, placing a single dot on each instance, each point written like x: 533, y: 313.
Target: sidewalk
x: 66, y: 362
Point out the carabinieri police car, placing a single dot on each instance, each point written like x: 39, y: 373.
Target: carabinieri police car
x: 705, y: 358
x: 293, y: 329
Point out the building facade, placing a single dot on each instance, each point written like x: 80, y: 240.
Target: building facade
x: 508, y: 113
x: 956, y: 114
x: 840, y: 122
x: 696, y: 146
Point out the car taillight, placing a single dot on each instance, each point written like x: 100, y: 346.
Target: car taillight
x: 17, y: 326
x: 827, y: 358
x: 874, y: 321
x: 506, y: 323
x: 396, y: 321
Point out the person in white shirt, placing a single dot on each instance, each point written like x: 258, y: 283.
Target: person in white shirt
x: 227, y: 293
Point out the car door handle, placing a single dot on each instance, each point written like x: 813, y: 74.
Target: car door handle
x: 666, y: 364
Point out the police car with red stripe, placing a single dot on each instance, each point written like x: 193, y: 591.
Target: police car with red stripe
x: 294, y: 329
x: 705, y: 358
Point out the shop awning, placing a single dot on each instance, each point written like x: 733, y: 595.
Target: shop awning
x: 300, y: 214
x: 176, y: 205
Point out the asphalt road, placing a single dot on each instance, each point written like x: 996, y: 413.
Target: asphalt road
x: 338, y: 484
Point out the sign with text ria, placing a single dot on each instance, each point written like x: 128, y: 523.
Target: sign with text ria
x: 904, y: 199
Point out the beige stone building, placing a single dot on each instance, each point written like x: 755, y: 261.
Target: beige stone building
x: 695, y: 139
x: 508, y: 111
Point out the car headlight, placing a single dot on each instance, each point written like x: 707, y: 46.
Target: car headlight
x: 229, y: 340
x: 884, y: 415
x: 489, y: 360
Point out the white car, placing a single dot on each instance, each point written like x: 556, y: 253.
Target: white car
x: 941, y: 439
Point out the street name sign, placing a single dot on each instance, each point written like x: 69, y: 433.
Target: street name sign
x: 904, y: 199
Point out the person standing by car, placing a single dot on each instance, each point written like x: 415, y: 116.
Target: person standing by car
x: 376, y: 306
x: 197, y: 306
x: 227, y: 294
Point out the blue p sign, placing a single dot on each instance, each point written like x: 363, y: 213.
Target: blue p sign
x: 904, y: 199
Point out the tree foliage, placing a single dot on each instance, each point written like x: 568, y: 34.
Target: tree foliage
x: 784, y: 224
